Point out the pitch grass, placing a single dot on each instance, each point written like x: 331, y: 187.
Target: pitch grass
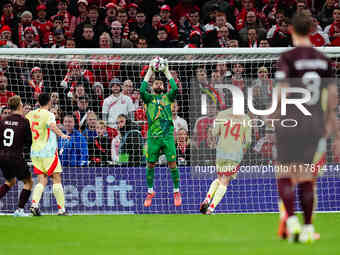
x: 159, y: 234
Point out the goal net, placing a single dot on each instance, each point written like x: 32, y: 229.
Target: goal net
x: 104, y: 162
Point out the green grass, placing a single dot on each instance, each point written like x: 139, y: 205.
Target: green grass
x: 159, y: 234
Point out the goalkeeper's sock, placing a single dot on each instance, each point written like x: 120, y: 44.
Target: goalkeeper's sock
x: 58, y: 193
x: 37, y: 192
x: 212, y: 189
x: 306, y: 195
x: 287, y: 194
x: 175, y: 178
x: 219, y: 194
x: 150, y: 174
x: 3, y: 190
x: 24, y: 196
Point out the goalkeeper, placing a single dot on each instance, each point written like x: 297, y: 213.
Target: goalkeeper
x: 160, y: 138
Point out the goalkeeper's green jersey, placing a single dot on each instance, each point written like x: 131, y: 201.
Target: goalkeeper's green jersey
x: 158, y: 110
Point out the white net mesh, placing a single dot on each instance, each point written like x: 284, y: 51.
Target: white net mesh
x: 104, y: 163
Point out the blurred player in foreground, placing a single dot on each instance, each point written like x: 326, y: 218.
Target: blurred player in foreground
x: 234, y: 137
x: 301, y: 149
x: 44, y: 153
x: 15, y: 133
x: 161, y: 129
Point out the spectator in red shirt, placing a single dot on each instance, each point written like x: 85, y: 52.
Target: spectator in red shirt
x: 7, y: 17
x: 6, y: 37
x: 194, y: 20
x: 333, y: 30
x: 318, y: 38
x: 183, y: 8
x: 36, y: 85
x: 28, y: 33
x: 282, y: 37
x: 44, y: 26
x: 4, y: 93
x: 82, y: 11
x: 104, y: 69
x: 69, y: 21
x: 195, y: 40
x: 167, y: 23
x: 29, y: 39
x: 110, y: 14
x: 247, y: 5
x: 132, y: 12
x: 279, y: 18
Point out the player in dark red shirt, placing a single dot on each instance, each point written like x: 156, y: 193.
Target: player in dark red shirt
x: 301, y: 149
x: 15, y: 133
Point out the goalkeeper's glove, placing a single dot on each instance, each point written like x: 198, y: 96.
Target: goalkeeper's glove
x: 166, y: 70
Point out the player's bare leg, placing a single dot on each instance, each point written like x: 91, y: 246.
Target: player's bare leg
x: 24, y: 196
x: 58, y: 193
x: 6, y: 187
x: 175, y: 179
x: 150, y: 174
x: 37, y: 193
x: 219, y: 193
x: 282, y: 231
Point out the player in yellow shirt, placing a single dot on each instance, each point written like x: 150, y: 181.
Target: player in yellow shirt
x: 44, y: 153
x: 234, y: 137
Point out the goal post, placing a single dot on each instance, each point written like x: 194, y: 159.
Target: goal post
x: 104, y: 164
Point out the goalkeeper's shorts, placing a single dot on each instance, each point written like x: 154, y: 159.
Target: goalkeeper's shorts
x: 226, y: 167
x: 47, y: 166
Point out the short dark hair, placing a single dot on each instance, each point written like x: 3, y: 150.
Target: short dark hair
x: 44, y: 99
x: 14, y: 103
x: 302, y: 24
x: 87, y: 26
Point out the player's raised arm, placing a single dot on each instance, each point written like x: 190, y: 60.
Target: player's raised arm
x: 173, y: 91
x: 146, y: 97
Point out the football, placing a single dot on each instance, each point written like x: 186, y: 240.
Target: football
x: 158, y: 64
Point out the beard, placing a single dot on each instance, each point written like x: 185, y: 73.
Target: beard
x: 158, y: 91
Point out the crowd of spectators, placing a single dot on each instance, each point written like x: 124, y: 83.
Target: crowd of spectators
x: 162, y: 23
x: 97, y: 102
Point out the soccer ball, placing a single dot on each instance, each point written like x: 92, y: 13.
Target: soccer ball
x: 158, y: 64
